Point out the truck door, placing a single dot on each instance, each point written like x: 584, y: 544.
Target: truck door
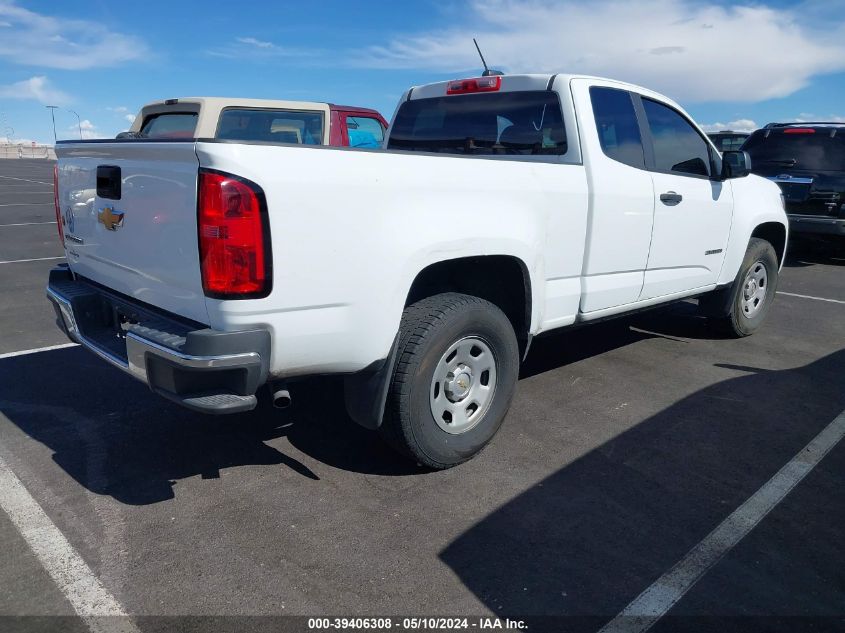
x: 692, y: 216
x: 621, y: 198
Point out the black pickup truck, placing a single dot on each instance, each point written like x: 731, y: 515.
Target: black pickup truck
x: 807, y: 160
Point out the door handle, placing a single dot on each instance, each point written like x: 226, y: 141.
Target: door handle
x: 670, y: 198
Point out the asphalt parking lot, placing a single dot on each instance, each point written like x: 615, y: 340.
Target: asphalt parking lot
x: 627, y: 444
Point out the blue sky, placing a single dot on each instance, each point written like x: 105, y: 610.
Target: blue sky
x: 728, y: 64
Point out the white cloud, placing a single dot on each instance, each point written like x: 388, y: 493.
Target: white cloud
x: 34, y: 39
x: 747, y: 125
x: 689, y: 49
x: 123, y: 112
x: 740, y: 125
x: 89, y: 130
x: 254, y: 42
x: 252, y: 48
x: 830, y: 118
x: 36, y: 88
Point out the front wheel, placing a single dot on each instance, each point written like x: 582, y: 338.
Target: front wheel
x: 753, y: 291
x: 455, y: 375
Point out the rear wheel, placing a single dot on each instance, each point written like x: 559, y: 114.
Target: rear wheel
x: 753, y: 291
x: 455, y: 375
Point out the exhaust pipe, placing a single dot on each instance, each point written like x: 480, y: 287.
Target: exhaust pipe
x: 281, y: 398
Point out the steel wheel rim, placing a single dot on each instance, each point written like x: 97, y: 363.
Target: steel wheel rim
x: 754, y: 289
x: 463, y: 385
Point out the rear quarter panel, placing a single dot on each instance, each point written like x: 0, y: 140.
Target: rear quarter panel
x: 351, y: 229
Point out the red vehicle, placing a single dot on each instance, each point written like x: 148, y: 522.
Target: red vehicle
x: 262, y: 120
x: 351, y: 122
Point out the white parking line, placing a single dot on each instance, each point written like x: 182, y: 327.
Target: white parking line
x: 26, y: 204
x: 86, y: 594
x: 35, y: 259
x: 24, y: 352
x: 40, y: 182
x: 27, y: 224
x: 792, y: 294
x: 653, y: 603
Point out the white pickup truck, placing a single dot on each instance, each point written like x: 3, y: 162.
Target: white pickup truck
x: 500, y: 207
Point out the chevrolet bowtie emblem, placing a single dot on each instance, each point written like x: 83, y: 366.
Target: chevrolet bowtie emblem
x: 109, y: 219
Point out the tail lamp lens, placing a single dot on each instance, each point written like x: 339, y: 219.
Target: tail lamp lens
x: 233, y: 237
x: 56, y: 204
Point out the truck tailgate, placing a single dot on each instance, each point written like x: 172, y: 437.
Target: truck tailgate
x: 134, y: 230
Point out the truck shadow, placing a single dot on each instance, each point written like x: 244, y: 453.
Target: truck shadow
x: 114, y: 437
x: 110, y: 434
x: 809, y: 251
x: 677, y: 321
x: 563, y: 347
x: 586, y: 540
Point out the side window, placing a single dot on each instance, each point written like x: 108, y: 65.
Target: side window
x: 678, y: 147
x: 616, y: 122
x: 364, y: 131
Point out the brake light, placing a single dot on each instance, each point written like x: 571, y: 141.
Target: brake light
x: 799, y: 130
x: 56, y: 204
x: 234, y: 244
x: 479, y: 84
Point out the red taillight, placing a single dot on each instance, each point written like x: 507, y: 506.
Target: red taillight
x: 799, y: 130
x: 479, y: 84
x: 234, y: 244
x: 56, y: 204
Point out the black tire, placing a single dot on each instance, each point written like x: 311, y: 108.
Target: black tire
x: 737, y: 322
x: 428, y: 329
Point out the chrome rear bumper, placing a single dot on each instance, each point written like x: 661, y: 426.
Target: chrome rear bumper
x: 203, y: 369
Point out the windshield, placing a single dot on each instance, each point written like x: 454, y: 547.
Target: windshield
x: 816, y: 151
x: 521, y: 123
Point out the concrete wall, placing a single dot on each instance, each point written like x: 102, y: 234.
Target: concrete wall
x: 8, y: 150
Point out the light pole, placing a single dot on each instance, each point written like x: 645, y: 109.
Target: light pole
x: 53, y: 116
x: 78, y: 122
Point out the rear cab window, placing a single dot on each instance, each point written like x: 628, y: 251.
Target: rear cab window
x: 271, y: 126
x: 775, y: 150
x: 520, y: 123
x: 176, y: 125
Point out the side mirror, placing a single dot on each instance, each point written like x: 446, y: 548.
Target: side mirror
x: 735, y: 165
